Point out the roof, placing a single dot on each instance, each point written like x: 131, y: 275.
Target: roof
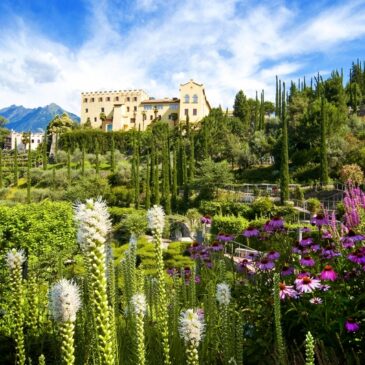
x: 191, y: 80
x: 160, y: 101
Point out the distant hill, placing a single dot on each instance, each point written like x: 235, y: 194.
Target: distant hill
x: 24, y: 119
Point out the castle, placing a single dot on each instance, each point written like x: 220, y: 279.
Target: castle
x: 128, y: 109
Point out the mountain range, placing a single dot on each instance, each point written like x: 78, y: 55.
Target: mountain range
x: 23, y: 119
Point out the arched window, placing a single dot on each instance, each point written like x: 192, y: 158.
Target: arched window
x: 195, y: 99
x: 187, y: 98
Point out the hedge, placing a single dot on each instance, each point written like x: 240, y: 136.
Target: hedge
x: 229, y: 224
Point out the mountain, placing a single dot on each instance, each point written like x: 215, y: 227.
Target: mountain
x: 24, y: 119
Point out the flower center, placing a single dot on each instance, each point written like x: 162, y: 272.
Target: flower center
x: 306, y: 280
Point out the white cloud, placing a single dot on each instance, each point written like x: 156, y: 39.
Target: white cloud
x: 216, y: 45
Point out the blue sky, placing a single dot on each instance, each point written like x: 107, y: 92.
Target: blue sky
x: 52, y: 50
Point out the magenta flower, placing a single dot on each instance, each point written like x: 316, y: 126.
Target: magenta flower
x: 319, y: 220
x: 273, y: 255
x: 358, y: 257
x: 307, y: 261
x: 265, y: 264
x: 326, y: 235
x: 347, y: 242
x: 328, y: 273
x: 307, y: 284
x: 307, y: 241
x: 287, y: 270
x: 287, y: 291
x: 351, y: 325
x: 251, y: 232
x: 206, y: 220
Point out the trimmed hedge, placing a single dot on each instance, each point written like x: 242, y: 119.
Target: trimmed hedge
x: 229, y: 224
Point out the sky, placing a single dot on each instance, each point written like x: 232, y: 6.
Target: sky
x: 52, y: 50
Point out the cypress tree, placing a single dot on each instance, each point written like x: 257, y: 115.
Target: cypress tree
x: 44, y: 150
x: 279, y: 100
x: 166, y: 178
x: 174, y: 181
x: 191, y: 159
x: 323, y: 151
x: 97, y: 162
x: 54, y: 178
x: 256, y: 120
x: 147, y: 185
x: 156, y: 182
x: 262, y: 111
x: 29, y: 162
x: 112, y: 155
x: 185, y: 178
x: 284, y: 171
x: 16, y: 172
x: 1, y: 166
x: 276, y: 96
x: 136, y: 187
x: 205, y: 141
x: 69, y: 166
x: 152, y: 173
x: 83, y: 159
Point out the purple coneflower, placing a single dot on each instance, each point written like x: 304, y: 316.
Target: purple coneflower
x: 273, y: 255
x: 328, y: 273
x: 355, y: 237
x: 276, y: 223
x: 265, y: 264
x: 297, y: 249
x: 172, y: 271
x: 286, y: 270
x: 206, y: 220
x: 347, y: 242
x: 319, y: 220
x: 306, y: 241
x: 316, y: 300
x: 351, y: 325
x: 242, y: 265
x: 315, y: 247
x: 324, y: 287
x: 307, y: 261
x: 307, y: 284
x: 287, y: 291
x: 216, y: 246
x: 328, y: 252
x: 326, y: 235
x: 358, y: 257
x: 251, y: 232
x: 306, y: 230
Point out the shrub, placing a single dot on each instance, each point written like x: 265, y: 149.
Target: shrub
x: 352, y: 173
x: 313, y: 205
x: 229, y: 224
x: 263, y: 206
x: 210, y: 207
x: 237, y: 209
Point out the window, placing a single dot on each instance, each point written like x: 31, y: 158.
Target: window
x: 174, y: 106
x: 159, y: 117
x: 92, y: 100
x: 109, y: 127
x: 151, y: 117
x: 186, y: 98
x: 100, y: 99
x: 102, y: 110
x: 127, y: 108
x: 86, y: 110
x: 186, y: 111
x: 32, y: 141
x: 85, y: 100
x: 195, y: 111
x: 160, y: 107
x: 107, y: 98
x: 135, y: 98
x: 95, y: 119
x: 133, y: 120
x: 116, y: 98
x: 195, y: 99
x: 147, y: 107
x: 38, y: 141
x: 128, y: 98
x: 135, y: 108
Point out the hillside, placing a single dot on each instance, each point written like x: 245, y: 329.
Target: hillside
x: 25, y: 119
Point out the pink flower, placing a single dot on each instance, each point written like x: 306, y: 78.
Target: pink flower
x: 287, y: 291
x: 307, y: 284
x: 307, y: 261
x: 351, y: 325
x: 328, y: 273
x: 316, y: 300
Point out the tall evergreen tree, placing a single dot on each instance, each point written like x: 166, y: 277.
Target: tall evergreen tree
x: 83, y: 159
x: 97, y: 162
x: 147, y: 185
x: 241, y: 108
x: 191, y: 159
x: 156, y: 182
x: 44, y: 150
x: 69, y: 167
x: 112, y: 155
x: 1, y: 166
x: 16, y: 172
x: 262, y: 111
x: 279, y: 100
x: 166, y: 176
x: 256, y: 116
x: 153, y: 172
x: 137, y: 158
x: 174, y: 191
x: 29, y: 164
x: 323, y: 150
x: 277, y: 97
x: 284, y: 170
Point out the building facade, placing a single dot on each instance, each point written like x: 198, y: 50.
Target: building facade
x: 128, y: 109
x: 20, y: 139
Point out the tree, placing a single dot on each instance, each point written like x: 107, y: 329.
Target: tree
x: 29, y: 162
x: 16, y: 163
x: 44, y: 150
x: 284, y: 170
x: 323, y: 150
x: 241, y: 108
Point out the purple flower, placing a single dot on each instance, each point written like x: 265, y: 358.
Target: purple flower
x: 319, y: 220
x: 297, y: 249
x: 306, y: 230
x: 216, y: 246
x: 316, y: 300
x: 241, y: 266
x: 206, y: 220
x: 351, y: 325
x: 276, y: 223
x: 307, y: 241
x: 358, y: 257
x: 273, y: 255
x: 326, y: 235
x: 355, y: 237
x: 328, y: 273
x: 251, y: 232
x: 287, y: 270
x: 347, y: 242
x: 324, y: 287
x: 315, y: 247
x: 224, y: 237
x: 307, y: 284
x: 265, y: 264
x: 287, y: 291
x: 172, y: 271
x: 307, y: 261
x: 328, y: 252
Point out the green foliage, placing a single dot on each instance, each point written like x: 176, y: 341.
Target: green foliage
x: 229, y: 224
x: 313, y: 205
x: 263, y: 206
x: 134, y: 223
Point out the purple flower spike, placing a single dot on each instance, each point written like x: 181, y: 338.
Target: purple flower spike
x: 351, y: 325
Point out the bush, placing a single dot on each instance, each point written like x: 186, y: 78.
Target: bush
x: 307, y: 173
x: 262, y: 206
x: 210, y: 207
x: 229, y: 224
x: 352, y: 173
x: 313, y: 205
x: 237, y: 209
x: 119, y: 196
